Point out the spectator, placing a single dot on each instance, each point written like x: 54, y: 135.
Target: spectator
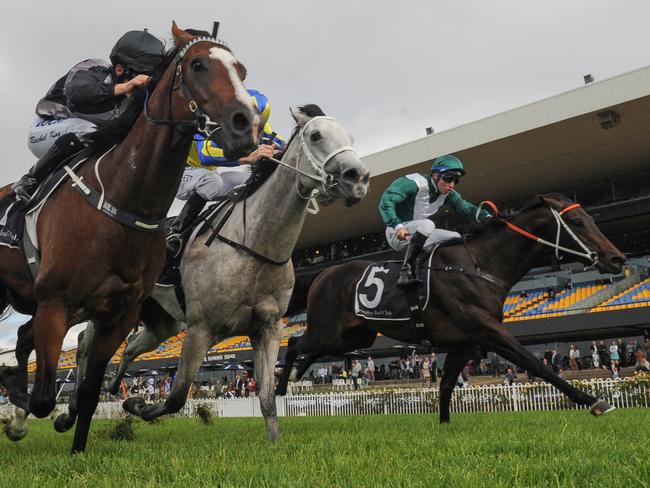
x: 510, y: 377
x: 622, y: 353
x: 641, y: 364
x: 574, y: 358
x: 614, y: 357
x: 252, y: 386
x: 382, y: 372
x: 495, y: 364
x: 555, y: 361
x: 603, y: 355
x: 630, y: 350
x: 426, y: 372
x: 647, y: 345
x: 434, y: 368
x: 356, y: 370
x: 370, y: 365
x: 595, y: 357
x: 462, y: 380
x: 239, y: 385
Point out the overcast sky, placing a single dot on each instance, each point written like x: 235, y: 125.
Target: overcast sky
x: 384, y: 69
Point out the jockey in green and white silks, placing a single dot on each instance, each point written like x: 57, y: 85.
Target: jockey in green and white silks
x: 408, y: 203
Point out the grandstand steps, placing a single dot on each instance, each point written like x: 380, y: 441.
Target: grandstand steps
x: 606, y: 293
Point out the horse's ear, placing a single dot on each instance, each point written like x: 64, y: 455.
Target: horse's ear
x: 300, y: 118
x: 241, y: 69
x: 180, y: 36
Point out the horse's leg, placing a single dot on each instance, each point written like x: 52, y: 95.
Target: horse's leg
x: 195, y: 346
x: 305, y: 364
x: 65, y: 421
x: 105, y: 342
x: 503, y: 343
x: 454, y: 364
x: 50, y: 327
x: 155, y: 333
x: 265, y: 349
x: 16, y: 379
x: 289, y: 359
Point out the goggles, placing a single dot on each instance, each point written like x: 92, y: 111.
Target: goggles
x: 449, y: 177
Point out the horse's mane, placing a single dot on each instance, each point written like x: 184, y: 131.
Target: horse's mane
x: 477, y: 229
x: 263, y: 172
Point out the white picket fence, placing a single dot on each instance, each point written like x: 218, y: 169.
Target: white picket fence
x: 486, y: 398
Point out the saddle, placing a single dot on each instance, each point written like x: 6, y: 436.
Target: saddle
x: 13, y: 212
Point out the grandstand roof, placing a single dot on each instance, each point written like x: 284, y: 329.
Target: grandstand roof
x: 555, y: 142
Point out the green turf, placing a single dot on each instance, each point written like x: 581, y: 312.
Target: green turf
x: 561, y: 448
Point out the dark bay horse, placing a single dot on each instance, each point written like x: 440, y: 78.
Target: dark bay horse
x: 465, y: 312
x: 94, y: 267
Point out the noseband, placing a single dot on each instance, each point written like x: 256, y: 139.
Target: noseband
x: 202, y: 122
x: 325, y: 180
x: 561, y: 224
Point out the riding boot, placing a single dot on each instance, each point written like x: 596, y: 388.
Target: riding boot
x: 64, y: 147
x: 189, y: 212
x: 408, y: 275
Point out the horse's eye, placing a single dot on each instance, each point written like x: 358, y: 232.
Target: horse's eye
x: 197, y: 65
x: 315, y: 136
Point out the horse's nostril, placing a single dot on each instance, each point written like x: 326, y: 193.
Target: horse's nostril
x: 350, y: 174
x: 240, y: 122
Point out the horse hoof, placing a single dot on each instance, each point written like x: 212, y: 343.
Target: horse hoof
x: 601, y: 407
x: 133, y: 405
x: 14, y: 434
x: 63, y: 423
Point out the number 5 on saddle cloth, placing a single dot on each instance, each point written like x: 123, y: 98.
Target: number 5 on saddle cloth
x: 377, y: 296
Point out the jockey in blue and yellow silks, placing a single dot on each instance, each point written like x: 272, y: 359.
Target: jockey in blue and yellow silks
x: 209, y: 175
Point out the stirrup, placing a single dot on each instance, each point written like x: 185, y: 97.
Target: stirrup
x: 174, y: 244
x: 407, y: 278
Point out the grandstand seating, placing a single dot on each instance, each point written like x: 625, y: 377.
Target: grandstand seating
x: 636, y: 296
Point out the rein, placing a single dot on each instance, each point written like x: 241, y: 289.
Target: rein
x: 561, y: 224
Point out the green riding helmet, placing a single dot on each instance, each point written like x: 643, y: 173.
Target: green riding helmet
x: 448, y: 163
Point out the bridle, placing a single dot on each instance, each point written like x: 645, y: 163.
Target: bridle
x: 325, y: 181
x: 202, y: 122
x: 561, y: 224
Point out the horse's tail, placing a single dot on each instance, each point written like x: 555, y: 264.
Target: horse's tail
x: 298, y: 302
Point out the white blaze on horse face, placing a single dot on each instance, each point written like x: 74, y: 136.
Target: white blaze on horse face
x: 226, y: 58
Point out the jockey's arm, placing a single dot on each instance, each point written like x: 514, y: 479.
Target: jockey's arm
x: 465, y: 208
x: 87, y: 88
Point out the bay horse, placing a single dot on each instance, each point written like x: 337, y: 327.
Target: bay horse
x: 94, y: 267
x: 240, y: 284
x: 465, y: 311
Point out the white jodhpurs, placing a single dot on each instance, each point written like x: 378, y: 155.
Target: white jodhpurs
x: 426, y: 227
x: 44, y: 132
x: 210, y: 184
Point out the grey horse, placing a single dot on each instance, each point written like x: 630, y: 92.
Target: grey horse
x: 230, y: 291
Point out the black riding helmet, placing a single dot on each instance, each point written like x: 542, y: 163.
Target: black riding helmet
x: 139, y: 52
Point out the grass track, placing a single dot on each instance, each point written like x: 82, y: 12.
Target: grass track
x: 562, y: 448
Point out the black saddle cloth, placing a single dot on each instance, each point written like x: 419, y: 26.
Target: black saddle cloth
x: 378, y: 297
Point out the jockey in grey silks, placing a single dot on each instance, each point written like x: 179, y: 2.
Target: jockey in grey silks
x: 89, y: 96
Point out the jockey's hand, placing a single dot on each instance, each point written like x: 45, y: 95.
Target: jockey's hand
x: 402, y: 234
x: 132, y: 84
x: 263, y: 151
